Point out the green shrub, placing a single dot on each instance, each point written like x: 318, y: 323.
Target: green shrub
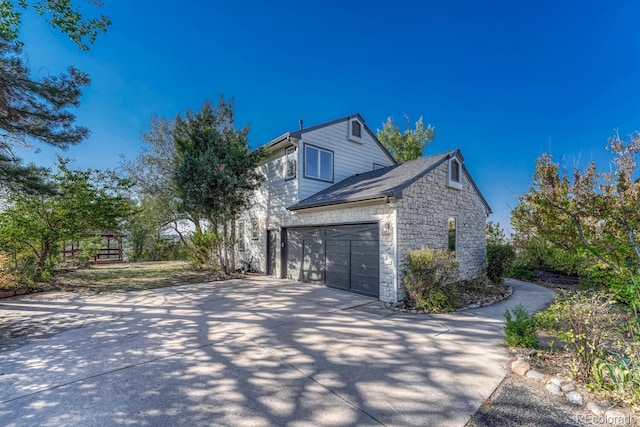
x: 520, y: 328
x: 586, y: 322
x: 478, y: 283
x: 205, y: 244
x: 620, y: 375
x: 535, y: 254
x: 627, y: 290
x: 500, y: 257
x: 89, y: 247
x: 523, y: 274
x: 549, y: 319
x: 8, y: 280
x: 601, y: 340
x: 430, y: 279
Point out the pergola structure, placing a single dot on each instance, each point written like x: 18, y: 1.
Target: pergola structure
x: 111, y: 252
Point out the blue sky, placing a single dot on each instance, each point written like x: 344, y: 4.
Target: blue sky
x: 502, y: 81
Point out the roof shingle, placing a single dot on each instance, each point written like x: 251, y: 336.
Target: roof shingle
x: 376, y: 184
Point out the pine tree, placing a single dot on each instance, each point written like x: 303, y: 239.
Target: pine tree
x: 38, y: 109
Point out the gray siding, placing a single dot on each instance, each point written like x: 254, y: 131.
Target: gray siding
x: 349, y: 157
x: 270, y: 202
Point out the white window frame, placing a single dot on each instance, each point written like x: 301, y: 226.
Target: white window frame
x: 290, y: 153
x: 350, y: 134
x: 255, y: 229
x: 242, y: 244
x: 451, y: 182
x: 455, y: 236
x: 319, y: 150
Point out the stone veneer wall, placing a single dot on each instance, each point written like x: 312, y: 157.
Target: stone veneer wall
x: 422, y: 216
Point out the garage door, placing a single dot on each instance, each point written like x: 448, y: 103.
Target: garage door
x: 343, y: 256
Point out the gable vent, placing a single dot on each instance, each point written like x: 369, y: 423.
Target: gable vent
x: 455, y: 170
x: 454, y: 173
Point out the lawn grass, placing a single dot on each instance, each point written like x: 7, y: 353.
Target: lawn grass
x: 123, y: 277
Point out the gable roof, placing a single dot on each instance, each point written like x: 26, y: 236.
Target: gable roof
x: 382, y: 183
x: 297, y: 134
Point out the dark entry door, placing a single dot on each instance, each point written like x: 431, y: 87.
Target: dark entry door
x: 271, y: 253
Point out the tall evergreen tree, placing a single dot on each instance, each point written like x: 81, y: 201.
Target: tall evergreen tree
x: 216, y: 170
x: 38, y: 109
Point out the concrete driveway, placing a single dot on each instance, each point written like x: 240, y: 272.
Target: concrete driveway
x: 253, y: 352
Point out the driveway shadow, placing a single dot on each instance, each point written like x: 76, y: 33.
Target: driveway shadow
x: 243, y: 352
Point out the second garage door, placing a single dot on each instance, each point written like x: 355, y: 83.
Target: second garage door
x: 342, y: 256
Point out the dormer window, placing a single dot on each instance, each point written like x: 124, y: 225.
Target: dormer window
x: 455, y: 173
x: 291, y: 163
x: 355, y: 130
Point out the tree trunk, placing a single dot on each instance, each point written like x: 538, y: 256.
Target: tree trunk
x: 42, y: 257
x: 183, y: 240
x: 219, y: 242
x: 232, y: 244
x: 225, y: 250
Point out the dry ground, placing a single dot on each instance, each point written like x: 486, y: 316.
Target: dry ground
x: 124, y: 277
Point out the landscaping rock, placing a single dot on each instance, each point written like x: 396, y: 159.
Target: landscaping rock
x: 533, y: 353
x: 554, y: 389
x: 575, y: 398
x: 566, y: 388
x: 520, y: 367
x: 616, y: 418
x: 594, y: 408
x: 606, y: 403
x: 535, y: 375
x: 557, y: 381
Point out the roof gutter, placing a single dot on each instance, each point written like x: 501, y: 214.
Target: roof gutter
x: 385, y: 197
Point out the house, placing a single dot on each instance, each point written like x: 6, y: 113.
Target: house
x: 335, y: 208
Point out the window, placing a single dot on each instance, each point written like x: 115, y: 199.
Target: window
x: 291, y: 163
x: 241, y: 245
x: 451, y: 228
x: 454, y: 173
x: 318, y: 163
x: 356, y: 129
x: 254, y: 229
